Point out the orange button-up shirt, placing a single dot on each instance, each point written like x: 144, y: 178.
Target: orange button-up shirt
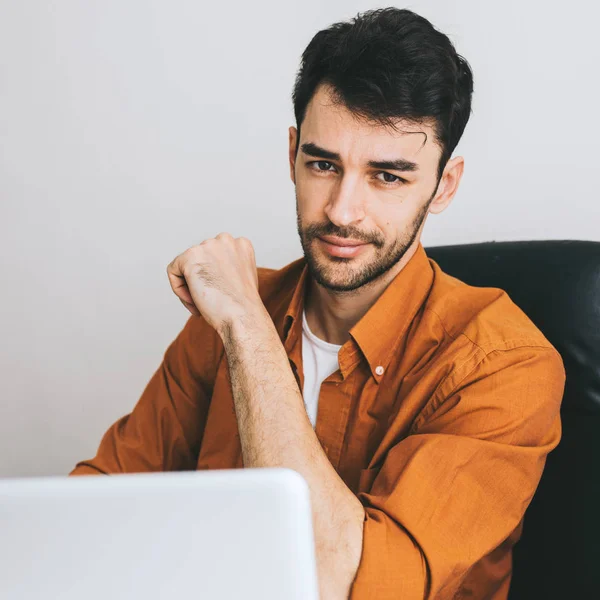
x: 439, y: 419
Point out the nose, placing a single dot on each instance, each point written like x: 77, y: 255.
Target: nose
x: 346, y: 204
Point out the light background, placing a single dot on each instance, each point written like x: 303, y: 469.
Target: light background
x: 131, y: 130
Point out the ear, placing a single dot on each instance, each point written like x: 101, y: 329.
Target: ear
x: 293, y: 133
x: 448, y: 185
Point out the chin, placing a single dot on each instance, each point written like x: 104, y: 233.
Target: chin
x: 339, y: 274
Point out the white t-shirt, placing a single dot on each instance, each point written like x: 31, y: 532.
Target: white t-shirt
x: 319, y: 360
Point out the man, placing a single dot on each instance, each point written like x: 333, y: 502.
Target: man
x: 420, y: 410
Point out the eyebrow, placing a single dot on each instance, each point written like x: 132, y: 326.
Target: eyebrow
x: 398, y: 164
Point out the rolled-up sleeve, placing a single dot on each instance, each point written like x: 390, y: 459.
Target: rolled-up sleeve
x: 457, y: 487
x: 164, y: 430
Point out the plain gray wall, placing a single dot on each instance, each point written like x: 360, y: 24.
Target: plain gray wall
x: 131, y: 130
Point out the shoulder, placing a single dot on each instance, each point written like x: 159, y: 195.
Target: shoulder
x: 480, y: 331
x: 489, y: 356
x: 484, y: 317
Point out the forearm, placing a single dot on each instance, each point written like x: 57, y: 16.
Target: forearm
x: 275, y: 432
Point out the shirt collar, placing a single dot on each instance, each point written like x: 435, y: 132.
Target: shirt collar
x: 381, y: 328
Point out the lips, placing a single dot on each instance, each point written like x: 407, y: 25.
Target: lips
x: 342, y: 248
x: 330, y: 239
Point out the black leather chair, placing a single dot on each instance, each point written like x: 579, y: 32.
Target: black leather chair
x: 557, y: 284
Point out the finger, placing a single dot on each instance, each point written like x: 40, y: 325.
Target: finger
x: 178, y: 281
x: 191, y: 307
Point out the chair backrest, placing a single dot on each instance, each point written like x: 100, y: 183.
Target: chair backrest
x: 557, y: 284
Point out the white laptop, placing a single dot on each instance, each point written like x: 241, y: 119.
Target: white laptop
x: 222, y: 534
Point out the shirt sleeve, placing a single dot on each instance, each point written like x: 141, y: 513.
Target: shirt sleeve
x: 165, y: 428
x: 456, y: 487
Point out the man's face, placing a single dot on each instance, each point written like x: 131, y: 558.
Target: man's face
x: 345, y: 196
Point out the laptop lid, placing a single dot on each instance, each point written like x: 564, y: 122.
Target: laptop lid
x: 222, y: 534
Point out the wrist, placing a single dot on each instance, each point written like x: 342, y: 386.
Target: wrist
x: 251, y: 317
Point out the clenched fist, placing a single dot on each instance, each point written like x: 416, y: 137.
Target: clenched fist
x: 217, y: 279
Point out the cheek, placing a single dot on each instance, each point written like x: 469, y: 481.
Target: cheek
x: 310, y: 205
x: 312, y: 193
x: 393, y: 224
x: 314, y: 186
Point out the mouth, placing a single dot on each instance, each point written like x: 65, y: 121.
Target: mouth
x: 342, y: 247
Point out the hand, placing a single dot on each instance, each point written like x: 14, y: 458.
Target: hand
x: 217, y: 279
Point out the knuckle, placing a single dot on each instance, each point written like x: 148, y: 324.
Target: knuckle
x: 245, y: 242
x: 188, y: 269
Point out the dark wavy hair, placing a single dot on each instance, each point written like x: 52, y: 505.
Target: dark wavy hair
x: 390, y: 64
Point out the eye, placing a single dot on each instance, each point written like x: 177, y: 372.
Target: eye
x: 389, y: 179
x: 324, y: 166
x: 320, y: 165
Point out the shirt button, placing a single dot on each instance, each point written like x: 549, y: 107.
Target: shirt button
x: 379, y: 370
